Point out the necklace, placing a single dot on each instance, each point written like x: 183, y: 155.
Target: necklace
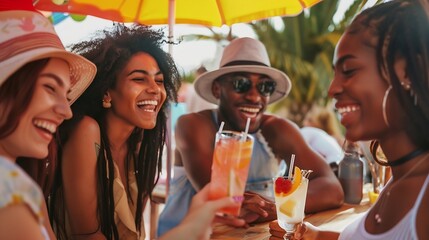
x: 377, y: 216
x: 401, y: 160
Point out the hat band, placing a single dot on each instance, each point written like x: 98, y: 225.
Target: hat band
x: 235, y: 63
x: 28, y: 42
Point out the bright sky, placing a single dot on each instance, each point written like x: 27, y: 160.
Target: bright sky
x: 188, y: 55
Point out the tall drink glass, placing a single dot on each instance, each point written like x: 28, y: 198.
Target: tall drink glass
x: 290, y: 195
x: 230, y: 167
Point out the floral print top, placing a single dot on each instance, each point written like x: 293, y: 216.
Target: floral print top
x: 17, y: 187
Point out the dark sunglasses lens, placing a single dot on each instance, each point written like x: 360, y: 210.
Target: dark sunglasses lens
x: 241, y: 85
x: 267, y: 88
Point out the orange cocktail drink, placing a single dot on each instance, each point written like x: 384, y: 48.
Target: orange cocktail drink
x: 230, y: 167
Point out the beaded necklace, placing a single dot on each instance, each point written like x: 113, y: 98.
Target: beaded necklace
x: 377, y: 216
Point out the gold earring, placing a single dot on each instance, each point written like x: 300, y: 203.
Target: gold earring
x: 106, y: 104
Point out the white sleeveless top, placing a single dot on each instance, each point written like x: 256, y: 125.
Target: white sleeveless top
x: 403, y: 230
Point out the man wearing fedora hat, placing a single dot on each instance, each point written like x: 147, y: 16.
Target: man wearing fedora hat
x: 242, y: 88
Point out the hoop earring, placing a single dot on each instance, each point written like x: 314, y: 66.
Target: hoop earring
x: 386, y: 94
x: 106, y: 104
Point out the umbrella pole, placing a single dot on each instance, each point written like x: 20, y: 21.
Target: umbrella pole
x: 171, y: 22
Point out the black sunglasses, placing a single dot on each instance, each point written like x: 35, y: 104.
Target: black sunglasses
x: 243, y: 84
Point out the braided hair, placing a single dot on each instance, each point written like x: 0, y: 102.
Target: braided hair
x: 394, y: 29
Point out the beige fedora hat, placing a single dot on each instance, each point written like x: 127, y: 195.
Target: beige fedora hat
x: 244, y: 55
x: 27, y: 36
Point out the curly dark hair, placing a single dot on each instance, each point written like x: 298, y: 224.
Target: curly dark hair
x: 400, y: 28
x: 110, y: 50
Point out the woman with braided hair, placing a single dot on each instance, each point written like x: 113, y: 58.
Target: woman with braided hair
x: 381, y: 86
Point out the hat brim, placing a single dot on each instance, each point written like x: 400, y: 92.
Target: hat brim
x: 82, y: 71
x: 203, y: 84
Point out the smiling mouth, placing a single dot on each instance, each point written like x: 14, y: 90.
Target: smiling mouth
x: 249, y: 111
x: 148, y: 105
x: 46, y: 126
x: 348, y: 109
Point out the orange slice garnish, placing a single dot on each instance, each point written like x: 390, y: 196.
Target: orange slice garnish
x: 297, y: 177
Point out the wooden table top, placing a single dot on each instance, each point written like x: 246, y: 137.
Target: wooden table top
x: 333, y: 220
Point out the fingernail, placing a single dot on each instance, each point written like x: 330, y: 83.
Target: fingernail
x: 238, y: 198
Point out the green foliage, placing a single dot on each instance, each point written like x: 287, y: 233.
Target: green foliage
x: 187, y: 77
x: 215, y: 36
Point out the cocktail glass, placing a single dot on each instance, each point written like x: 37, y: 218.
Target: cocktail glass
x: 290, y: 195
x: 230, y: 167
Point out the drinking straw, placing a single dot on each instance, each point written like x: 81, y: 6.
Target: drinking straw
x: 219, y: 132
x: 221, y: 127
x: 292, y: 160
x: 243, y: 138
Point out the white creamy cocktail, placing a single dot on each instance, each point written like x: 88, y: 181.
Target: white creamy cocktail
x: 290, y: 194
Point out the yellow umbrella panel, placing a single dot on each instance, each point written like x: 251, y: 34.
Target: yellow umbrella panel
x: 203, y: 12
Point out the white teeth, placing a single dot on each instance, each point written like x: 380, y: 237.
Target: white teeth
x: 252, y: 110
x: 347, y: 109
x: 153, y: 103
x: 147, y: 102
x: 50, y: 127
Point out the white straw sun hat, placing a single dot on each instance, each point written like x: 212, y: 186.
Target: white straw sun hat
x: 244, y: 55
x: 26, y: 36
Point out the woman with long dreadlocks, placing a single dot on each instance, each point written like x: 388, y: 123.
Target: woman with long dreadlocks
x: 112, y: 147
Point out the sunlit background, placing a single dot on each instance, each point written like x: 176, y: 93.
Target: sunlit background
x: 301, y: 46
